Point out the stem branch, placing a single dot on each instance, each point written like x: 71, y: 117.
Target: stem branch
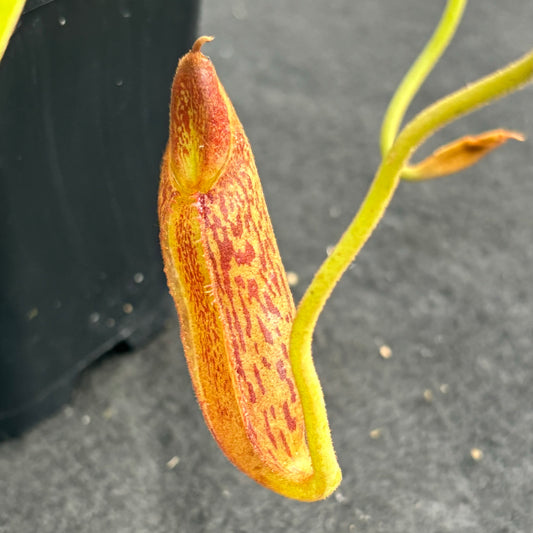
x: 460, y: 103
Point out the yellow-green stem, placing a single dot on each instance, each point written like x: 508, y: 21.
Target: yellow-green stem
x: 372, y: 209
x: 419, y: 71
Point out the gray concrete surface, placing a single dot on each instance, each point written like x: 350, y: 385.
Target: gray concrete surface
x: 446, y: 282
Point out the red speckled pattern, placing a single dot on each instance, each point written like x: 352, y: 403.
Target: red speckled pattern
x: 235, y: 306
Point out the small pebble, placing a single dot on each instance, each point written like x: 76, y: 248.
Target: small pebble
x: 476, y: 454
x: 127, y: 308
x: 292, y: 278
x: 385, y: 351
x: 428, y: 395
x: 172, y: 462
x: 375, y: 433
x: 85, y: 420
x: 340, y: 497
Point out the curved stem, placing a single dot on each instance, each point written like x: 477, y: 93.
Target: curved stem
x: 419, y: 71
x: 372, y: 209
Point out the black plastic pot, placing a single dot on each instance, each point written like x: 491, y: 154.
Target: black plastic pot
x: 84, y: 91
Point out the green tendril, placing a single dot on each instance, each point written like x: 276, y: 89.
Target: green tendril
x: 419, y: 71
